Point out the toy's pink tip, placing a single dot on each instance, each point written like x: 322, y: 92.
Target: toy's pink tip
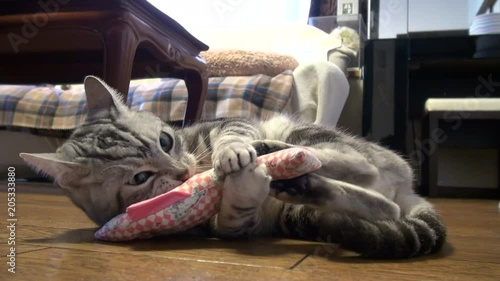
x: 151, y: 206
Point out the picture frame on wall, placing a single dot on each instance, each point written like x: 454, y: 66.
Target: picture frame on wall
x: 347, y: 7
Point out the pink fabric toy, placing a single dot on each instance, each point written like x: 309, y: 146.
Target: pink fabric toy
x: 196, y: 200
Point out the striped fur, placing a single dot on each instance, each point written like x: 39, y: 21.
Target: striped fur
x: 362, y: 197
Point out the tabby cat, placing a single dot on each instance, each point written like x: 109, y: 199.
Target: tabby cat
x: 362, y: 198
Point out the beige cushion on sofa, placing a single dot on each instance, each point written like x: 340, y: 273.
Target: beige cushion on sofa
x: 221, y: 63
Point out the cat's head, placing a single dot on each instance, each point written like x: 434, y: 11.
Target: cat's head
x: 117, y: 157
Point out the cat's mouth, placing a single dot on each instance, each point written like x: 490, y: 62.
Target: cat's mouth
x: 184, y: 177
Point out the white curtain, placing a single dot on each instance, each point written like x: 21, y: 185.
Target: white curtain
x: 231, y: 14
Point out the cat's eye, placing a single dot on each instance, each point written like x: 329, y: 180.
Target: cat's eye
x: 140, y: 178
x: 166, y: 142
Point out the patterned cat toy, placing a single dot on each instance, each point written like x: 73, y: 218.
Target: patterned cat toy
x: 196, y: 200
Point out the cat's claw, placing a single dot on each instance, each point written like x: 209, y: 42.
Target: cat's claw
x: 233, y: 158
x: 269, y: 146
x: 291, y: 187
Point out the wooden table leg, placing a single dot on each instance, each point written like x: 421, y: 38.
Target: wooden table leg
x: 120, y: 46
x: 197, y: 85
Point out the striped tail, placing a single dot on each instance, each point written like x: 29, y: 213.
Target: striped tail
x: 419, y: 233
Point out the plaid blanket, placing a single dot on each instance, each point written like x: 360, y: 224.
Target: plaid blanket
x: 54, y: 109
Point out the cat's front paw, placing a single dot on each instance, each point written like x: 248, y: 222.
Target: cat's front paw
x: 249, y: 187
x: 233, y: 158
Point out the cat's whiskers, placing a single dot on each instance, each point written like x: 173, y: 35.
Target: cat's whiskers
x: 201, y: 142
x: 203, y: 168
x: 205, y: 165
x: 199, y: 156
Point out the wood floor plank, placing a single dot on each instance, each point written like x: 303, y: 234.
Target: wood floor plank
x: 54, y: 241
x: 460, y: 263
x: 351, y: 268
x: 53, y: 221
x: 473, y: 248
x: 472, y: 251
x: 470, y: 217
x: 20, y: 248
x: 49, y: 210
x: 263, y: 252
x: 70, y: 264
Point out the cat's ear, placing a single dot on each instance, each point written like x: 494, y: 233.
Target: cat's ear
x: 101, y: 98
x: 64, y: 173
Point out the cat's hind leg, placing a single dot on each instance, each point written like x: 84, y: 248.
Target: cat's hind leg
x: 340, y: 162
x: 320, y: 191
x: 331, y: 195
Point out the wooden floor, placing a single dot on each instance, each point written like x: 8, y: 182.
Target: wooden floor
x: 54, y: 241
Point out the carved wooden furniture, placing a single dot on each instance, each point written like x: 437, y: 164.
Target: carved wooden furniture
x: 62, y: 41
